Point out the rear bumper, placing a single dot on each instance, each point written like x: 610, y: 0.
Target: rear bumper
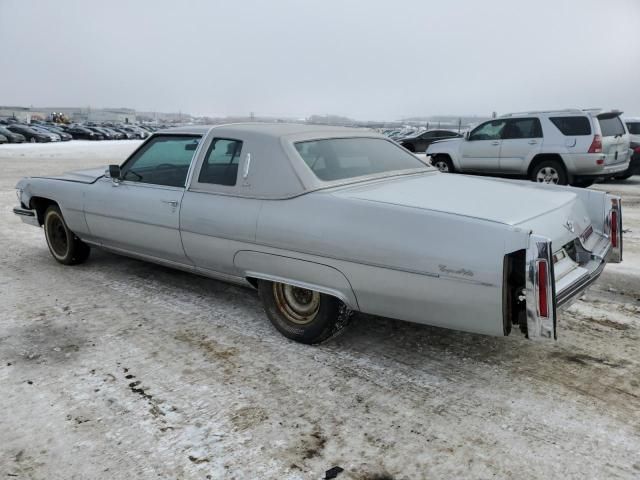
x: 567, y: 293
x: 544, y: 294
x: 27, y: 216
x: 585, y: 165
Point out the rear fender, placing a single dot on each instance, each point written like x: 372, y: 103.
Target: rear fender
x: 294, y: 271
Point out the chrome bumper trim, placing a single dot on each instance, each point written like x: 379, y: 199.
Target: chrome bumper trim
x: 27, y: 216
x: 565, y: 298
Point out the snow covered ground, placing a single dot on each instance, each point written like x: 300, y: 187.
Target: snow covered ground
x: 118, y: 369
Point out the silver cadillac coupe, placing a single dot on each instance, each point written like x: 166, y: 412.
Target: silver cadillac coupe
x: 325, y: 221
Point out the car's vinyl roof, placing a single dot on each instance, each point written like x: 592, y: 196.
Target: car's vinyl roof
x: 269, y: 129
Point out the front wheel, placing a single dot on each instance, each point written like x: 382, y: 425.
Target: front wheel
x: 442, y: 163
x: 549, y: 171
x: 63, y: 244
x: 303, y: 315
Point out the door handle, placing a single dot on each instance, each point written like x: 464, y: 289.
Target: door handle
x: 173, y: 203
x: 532, y: 142
x: 495, y: 142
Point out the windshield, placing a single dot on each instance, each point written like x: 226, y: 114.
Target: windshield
x: 341, y: 158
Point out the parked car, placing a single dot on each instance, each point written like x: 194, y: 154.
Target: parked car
x: 126, y: 134
x: 65, y: 137
x: 54, y: 136
x: 562, y: 147
x: 420, y: 142
x: 101, y: 131
x: 82, y: 133
x: 3, y: 139
x: 325, y: 220
x: 32, y: 135
x: 633, y: 125
x: 115, y: 133
x: 11, y: 136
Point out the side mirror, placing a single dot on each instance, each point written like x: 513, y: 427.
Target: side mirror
x: 114, y: 173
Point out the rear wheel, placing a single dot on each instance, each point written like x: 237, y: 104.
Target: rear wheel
x: 303, y: 315
x: 63, y: 244
x: 624, y: 176
x: 443, y: 163
x: 549, y: 171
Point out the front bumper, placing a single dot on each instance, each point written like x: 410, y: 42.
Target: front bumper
x: 27, y: 216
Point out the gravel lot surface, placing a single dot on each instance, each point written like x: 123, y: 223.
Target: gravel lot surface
x: 118, y: 369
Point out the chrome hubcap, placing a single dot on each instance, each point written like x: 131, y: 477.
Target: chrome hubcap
x: 547, y: 175
x: 298, y: 305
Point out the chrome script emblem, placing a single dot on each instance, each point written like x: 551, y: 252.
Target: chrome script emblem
x: 570, y: 226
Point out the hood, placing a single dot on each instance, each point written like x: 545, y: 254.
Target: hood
x: 83, y: 176
x: 493, y: 200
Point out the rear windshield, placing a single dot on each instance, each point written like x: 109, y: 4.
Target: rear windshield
x: 341, y: 158
x: 611, y: 126
x: 634, y: 128
x: 572, y: 125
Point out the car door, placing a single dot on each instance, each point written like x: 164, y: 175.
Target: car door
x: 521, y: 139
x: 141, y: 213
x: 424, y: 140
x: 481, y: 150
x: 217, y: 219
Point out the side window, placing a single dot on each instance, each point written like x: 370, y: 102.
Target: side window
x: 163, y: 160
x: 523, y: 128
x: 571, y: 126
x: 634, y: 128
x: 220, y: 165
x: 446, y: 134
x: 488, y: 131
x: 428, y: 135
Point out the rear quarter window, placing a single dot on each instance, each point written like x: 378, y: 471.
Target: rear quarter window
x: 611, y: 126
x: 571, y: 126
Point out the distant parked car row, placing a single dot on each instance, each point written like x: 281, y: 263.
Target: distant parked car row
x: 12, y: 131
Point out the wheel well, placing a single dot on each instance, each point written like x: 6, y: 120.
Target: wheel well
x: 40, y: 205
x: 538, y: 159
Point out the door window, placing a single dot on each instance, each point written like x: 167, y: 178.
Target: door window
x: 220, y: 165
x: 488, y: 131
x: 163, y: 160
x: 522, y: 128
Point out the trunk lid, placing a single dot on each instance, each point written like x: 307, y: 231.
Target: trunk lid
x: 494, y: 200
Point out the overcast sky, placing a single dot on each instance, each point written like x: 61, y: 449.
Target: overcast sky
x: 367, y: 59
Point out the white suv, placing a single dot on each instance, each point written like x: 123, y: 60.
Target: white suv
x: 569, y: 146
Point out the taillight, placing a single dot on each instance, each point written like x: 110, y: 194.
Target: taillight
x: 637, y: 149
x: 596, y: 145
x: 543, y: 282
x: 614, y: 228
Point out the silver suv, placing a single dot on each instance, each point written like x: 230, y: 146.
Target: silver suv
x: 564, y: 147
